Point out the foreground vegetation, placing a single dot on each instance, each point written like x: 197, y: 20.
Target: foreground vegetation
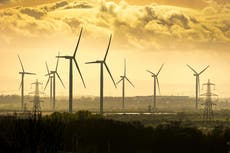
x: 188, y: 119
x: 83, y: 132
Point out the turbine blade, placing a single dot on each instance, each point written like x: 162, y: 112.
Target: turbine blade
x: 158, y: 84
x: 62, y: 56
x: 29, y: 73
x: 129, y: 81
x: 119, y: 81
x: 150, y: 72
x: 57, y: 62
x: 108, y: 47
x: 204, y: 70
x: 48, y: 74
x: 47, y: 68
x: 160, y: 69
x: 92, y: 62
x: 110, y: 74
x: 191, y: 68
x: 47, y: 83
x: 60, y: 79
x: 79, y: 38
x: 198, y: 82
x: 79, y: 72
x: 21, y: 63
x: 20, y: 86
x: 125, y: 67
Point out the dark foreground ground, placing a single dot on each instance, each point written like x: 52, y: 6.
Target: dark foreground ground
x: 83, y: 132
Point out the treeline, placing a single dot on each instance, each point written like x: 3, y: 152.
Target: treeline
x: 83, y: 132
x: 9, y: 98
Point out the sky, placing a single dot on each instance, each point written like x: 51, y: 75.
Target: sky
x: 147, y: 33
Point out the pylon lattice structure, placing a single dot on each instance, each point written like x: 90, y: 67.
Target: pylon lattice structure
x: 37, y: 113
x: 208, y: 104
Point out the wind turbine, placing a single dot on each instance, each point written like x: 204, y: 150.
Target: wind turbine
x: 123, y: 78
x: 197, y: 75
x: 71, y: 59
x: 102, y: 64
x: 156, y: 83
x: 52, y: 78
x: 23, y: 73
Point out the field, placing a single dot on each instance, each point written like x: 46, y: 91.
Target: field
x: 113, y: 104
x: 169, y: 108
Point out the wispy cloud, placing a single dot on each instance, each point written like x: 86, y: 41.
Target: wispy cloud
x: 145, y: 27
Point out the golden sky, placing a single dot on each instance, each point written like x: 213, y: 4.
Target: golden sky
x: 146, y: 33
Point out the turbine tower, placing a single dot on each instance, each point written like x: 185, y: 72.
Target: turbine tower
x: 156, y: 84
x: 23, y: 73
x: 102, y: 64
x: 197, y: 75
x: 71, y: 60
x: 52, y: 78
x: 123, y: 78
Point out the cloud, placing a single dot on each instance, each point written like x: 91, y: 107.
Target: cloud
x: 36, y: 13
x: 54, y: 6
x: 79, y: 4
x: 4, y: 1
x: 144, y: 27
x: 160, y: 26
